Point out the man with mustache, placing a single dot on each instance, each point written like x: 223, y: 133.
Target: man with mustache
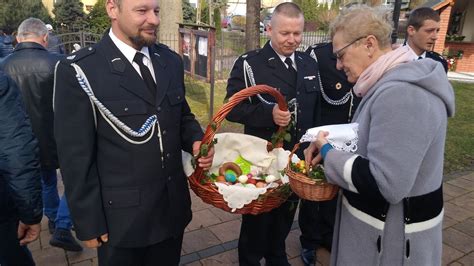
x: 422, y: 33
x: 295, y: 75
x: 121, y: 121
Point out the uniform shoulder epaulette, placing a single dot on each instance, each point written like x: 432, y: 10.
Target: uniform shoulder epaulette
x: 250, y: 54
x: 165, y: 47
x: 83, y: 53
x: 435, y: 54
x: 319, y: 45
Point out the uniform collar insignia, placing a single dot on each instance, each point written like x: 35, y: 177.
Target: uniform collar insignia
x: 309, y: 77
x: 71, y: 57
x: 118, y: 65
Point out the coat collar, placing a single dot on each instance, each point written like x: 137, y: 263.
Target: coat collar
x: 274, y: 62
x: 29, y: 45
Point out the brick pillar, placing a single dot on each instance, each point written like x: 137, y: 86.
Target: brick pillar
x: 445, y: 14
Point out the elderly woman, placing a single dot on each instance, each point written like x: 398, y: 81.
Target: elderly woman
x: 390, y: 210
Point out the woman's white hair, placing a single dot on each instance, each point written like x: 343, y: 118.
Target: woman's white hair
x: 361, y: 20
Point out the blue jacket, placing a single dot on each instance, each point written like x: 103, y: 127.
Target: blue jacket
x: 20, y: 180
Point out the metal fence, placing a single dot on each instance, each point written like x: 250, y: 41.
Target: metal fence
x: 229, y: 45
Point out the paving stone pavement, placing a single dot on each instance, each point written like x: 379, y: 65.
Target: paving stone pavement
x: 211, y: 237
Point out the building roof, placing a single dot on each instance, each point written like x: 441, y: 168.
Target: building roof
x: 438, y: 4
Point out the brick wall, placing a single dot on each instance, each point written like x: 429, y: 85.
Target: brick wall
x: 466, y: 63
x: 445, y: 14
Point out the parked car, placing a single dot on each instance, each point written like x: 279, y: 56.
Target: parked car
x: 266, y: 21
x: 237, y: 22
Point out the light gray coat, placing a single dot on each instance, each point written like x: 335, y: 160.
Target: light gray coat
x: 402, y: 130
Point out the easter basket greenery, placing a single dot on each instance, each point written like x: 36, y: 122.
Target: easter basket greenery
x: 204, y: 184
x: 309, y: 182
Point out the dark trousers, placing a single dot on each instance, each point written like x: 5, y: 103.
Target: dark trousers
x: 166, y: 253
x: 316, y: 220
x: 11, y: 253
x: 263, y: 236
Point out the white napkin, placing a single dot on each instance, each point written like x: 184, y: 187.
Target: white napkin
x: 232, y: 145
x: 341, y: 136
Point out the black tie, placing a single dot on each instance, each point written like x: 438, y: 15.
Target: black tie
x: 292, y: 70
x: 146, y: 74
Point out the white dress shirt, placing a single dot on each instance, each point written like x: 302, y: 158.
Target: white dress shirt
x: 129, y: 53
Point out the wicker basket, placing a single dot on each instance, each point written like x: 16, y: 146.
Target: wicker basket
x: 307, y: 188
x: 208, y: 192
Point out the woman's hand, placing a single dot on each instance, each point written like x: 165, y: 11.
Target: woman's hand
x: 314, y: 148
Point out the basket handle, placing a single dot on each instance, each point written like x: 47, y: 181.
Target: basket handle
x: 233, y: 101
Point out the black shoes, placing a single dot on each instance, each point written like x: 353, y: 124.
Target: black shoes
x: 308, y: 256
x: 63, y: 239
x: 51, y: 226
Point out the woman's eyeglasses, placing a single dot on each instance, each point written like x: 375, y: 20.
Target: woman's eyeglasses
x: 338, y: 54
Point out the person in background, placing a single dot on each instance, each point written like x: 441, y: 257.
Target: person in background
x: 54, y: 43
x: 31, y: 66
x: 316, y: 219
x: 20, y: 179
x: 422, y: 32
x: 390, y: 211
x: 294, y: 73
x: 120, y: 151
x: 6, y: 45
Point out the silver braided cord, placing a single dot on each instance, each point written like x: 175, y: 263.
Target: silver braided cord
x: 341, y: 101
x: 114, y: 122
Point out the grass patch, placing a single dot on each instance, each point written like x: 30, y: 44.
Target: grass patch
x: 198, y: 96
x: 459, y: 154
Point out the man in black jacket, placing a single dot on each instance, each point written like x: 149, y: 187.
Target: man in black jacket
x: 32, y: 68
x: 125, y: 182
x: 294, y: 74
x: 20, y: 181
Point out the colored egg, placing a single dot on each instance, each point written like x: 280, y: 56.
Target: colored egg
x: 220, y: 179
x: 251, y: 181
x: 229, y: 177
x: 260, y: 184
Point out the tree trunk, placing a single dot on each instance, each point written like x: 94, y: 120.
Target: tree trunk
x: 252, y: 25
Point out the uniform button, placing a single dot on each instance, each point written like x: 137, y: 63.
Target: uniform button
x: 168, y: 155
x: 158, y: 109
x: 164, y: 132
x: 169, y: 178
x: 297, y: 93
x: 125, y: 109
x: 179, y: 97
x: 299, y: 111
x: 299, y: 129
x: 110, y: 202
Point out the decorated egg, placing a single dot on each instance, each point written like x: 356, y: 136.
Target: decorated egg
x: 260, y: 184
x: 230, y: 177
x: 243, y: 179
x: 270, y: 178
x: 251, y: 181
x: 220, y: 179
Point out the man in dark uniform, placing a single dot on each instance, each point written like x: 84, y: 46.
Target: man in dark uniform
x: 422, y: 33
x: 294, y: 74
x: 124, y: 182
x: 316, y: 219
